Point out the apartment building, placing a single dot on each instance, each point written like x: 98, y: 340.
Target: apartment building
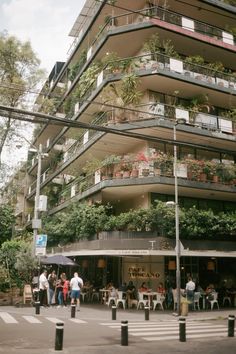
x: 143, y: 78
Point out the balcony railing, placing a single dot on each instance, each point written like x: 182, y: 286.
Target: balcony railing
x: 205, y: 172
x: 145, y: 111
x: 165, y: 15
x: 156, y: 62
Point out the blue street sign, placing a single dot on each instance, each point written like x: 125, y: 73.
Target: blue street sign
x: 41, y: 241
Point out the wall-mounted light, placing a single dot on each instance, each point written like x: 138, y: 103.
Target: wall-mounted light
x: 85, y: 263
x: 171, y: 265
x: 210, y: 265
x: 101, y: 263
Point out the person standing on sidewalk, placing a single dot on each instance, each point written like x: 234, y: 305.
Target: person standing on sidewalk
x: 76, y: 284
x: 190, y: 287
x: 52, y: 279
x: 43, y: 287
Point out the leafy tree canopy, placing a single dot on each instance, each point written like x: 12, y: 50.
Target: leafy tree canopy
x: 7, y: 219
x: 82, y: 221
x: 19, y: 74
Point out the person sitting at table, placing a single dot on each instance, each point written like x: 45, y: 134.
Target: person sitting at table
x: 143, y: 288
x: 131, y: 293
x: 161, y: 289
x: 210, y: 290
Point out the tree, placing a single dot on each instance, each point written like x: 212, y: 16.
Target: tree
x: 19, y: 74
x: 7, y: 219
x: 26, y: 263
x: 17, y: 263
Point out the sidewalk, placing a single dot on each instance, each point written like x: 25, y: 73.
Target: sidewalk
x: 98, y: 312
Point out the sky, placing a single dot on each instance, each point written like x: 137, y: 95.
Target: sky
x: 45, y: 23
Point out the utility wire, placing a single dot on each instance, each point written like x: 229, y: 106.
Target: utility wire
x: 35, y: 117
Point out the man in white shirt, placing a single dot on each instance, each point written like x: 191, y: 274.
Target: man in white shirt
x: 190, y: 287
x: 43, y: 287
x: 76, y: 284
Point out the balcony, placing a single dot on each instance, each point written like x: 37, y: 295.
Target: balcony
x: 153, y: 170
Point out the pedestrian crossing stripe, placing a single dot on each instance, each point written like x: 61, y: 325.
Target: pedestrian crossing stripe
x: 7, y: 318
x: 187, y: 331
x: 76, y: 320
x: 157, y: 331
x: 54, y: 320
x: 31, y: 319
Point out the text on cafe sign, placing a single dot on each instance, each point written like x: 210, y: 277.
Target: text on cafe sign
x: 140, y: 272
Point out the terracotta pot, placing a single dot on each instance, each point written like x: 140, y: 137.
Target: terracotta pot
x: 118, y: 174
x: 215, y: 179
x: 145, y: 172
x: 126, y: 174
x: 203, y: 177
x: 134, y: 173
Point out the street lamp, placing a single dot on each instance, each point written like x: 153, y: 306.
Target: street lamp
x: 176, y: 204
x: 36, y: 222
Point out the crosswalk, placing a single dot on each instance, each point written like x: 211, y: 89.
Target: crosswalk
x: 169, y: 330
x: 7, y: 318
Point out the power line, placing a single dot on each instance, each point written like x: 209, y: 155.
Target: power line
x: 35, y: 117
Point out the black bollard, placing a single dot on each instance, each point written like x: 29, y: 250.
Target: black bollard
x: 73, y: 308
x: 124, y: 332
x: 182, y: 329
x: 37, y: 308
x: 231, y: 321
x: 146, y: 312
x: 113, y: 312
x: 59, y: 336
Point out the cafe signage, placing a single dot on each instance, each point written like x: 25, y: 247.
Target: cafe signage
x: 140, y: 272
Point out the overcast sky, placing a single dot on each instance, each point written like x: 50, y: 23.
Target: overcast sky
x: 46, y: 23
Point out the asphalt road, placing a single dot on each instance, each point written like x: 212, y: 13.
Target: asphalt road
x: 94, y: 331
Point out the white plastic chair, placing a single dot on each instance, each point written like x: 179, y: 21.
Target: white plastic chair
x: 174, y: 293
x: 95, y: 296
x: 83, y: 295
x: 120, y: 299
x: 214, y: 300
x: 196, y: 299
x: 159, y: 299
x: 227, y: 298
x: 141, y: 300
x: 112, y: 298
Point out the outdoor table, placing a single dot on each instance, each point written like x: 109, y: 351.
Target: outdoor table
x: 150, y: 295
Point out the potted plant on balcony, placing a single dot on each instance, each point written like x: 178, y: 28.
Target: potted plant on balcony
x: 143, y: 163
x: 190, y: 63
x: 126, y: 168
x: 108, y: 166
x: 112, y: 62
x: 213, y: 69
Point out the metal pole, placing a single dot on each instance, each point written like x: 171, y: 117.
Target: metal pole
x: 124, y: 332
x: 177, y: 248
x: 36, y: 202
x: 73, y: 308
x: 231, y: 321
x: 113, y: 313
x: 37, y: 308
x: 182, y: 329
x: 59, y: 336
x: 146, y: 312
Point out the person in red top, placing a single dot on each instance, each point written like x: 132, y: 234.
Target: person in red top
x: 65, y: 290
x: 143, y: 288
x: 161, y: 289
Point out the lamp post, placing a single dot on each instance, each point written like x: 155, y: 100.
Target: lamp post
x: 36, y: 223
x: 176, y: 204
x: 177, y: 247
